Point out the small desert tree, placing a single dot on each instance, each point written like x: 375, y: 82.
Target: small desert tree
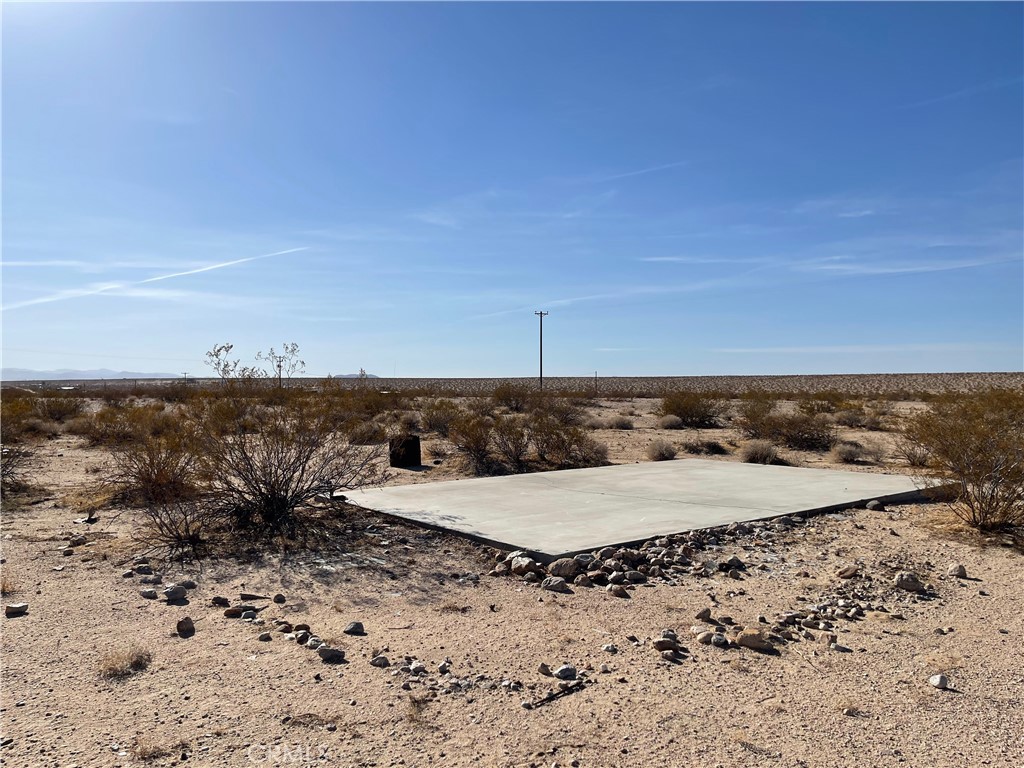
x: 976, y: 443
x: 285, y: 363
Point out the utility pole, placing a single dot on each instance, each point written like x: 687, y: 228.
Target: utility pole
x: 541, y: 315
x: 185, y: 374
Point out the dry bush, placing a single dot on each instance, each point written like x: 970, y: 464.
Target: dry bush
x: 560, y: 409
x: 58, y: 409
x: 848, y: 452
x: 515, y: 397
x: 8, y: 586
x: 696, y: 410
x: 620, y: 422
x: 826, y: 401
x: 976, y: 443
x: 759, y: 452
x: 158, y: 470
x: 365, y: 433
x: 117, y: 665
x: 914, y: 454
x: 511, y: 437
x: 439, y: 450
x: 13, y: 461
x: 14, y: 412
x: 705, y: 447
x: 661, y: 450
x: 565, y: 446
x: 471, y: 436
x: 670, y: 422
x: 409, y: 423
x: 595, y: 422
x: 438, y: 416
x: 756, y: 416
x: 802, y: 432
x: 182, y: 527
x: 292, y: 454
x: 39, y: 428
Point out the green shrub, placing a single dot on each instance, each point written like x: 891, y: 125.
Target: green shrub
x: 511, y: 437
x: 759, y: 452
x: 755, y: 417
x: 976, y: 444
x: 515, y: 397
x: 696, y: 410
x: 804, y: 433
x: 58, y: 409
x: 565, y: 446
x: 438, y: 416
x: 471, y: 436
x: 157, y: 470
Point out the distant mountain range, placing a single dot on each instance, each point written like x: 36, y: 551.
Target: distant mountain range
x: 27, y: 374
x: 70, y: 374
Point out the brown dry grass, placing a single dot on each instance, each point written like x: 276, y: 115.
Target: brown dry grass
x: 117, y: 665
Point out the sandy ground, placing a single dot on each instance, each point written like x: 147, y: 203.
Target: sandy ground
x: 223, y: 698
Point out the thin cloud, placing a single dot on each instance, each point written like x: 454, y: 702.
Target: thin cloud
x: 842, y: 349
x: 844, y: 266
x: 124, y: 288
x: 641, y: 172
x: 965, y: 93
x: 701, y: 260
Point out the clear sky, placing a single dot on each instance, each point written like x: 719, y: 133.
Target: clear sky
x: 686, y: 188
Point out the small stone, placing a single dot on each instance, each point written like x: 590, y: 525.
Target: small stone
x: 719, y: 640
x: 908, y: 581
x: 875, y: 506
x: 188, y: 584
x: 314, y: 642
x: 604, y: 669
x: 753, y: 639
x: 15, y: 609
x: 301, y: 636
x: 939, y: 681
x: 221, y: 602
x: 617, y: 590
x: 156, y: 578
x: 380, y: 661
x: 848, y: 572
x: 279, y: 598
x: 128, y: 574
x: 249, y: 614
x: 583, y: 581
x: 185, y: 627
x: 705, y: 638
x: 665, y: 644
x: 330, y: 655
x: 143, y: 569
x: 704, y: 615
x: 957, y: 570
x: 149, y: 594
x: 233, y: 613
x: 174, y: 592
x: 417, y: 668
x: 668, y: 655
x: 610, y: 648
x: 555, y: 584
x: 566, y: 567
x: 635, y: 577
x: 354, y: 628
x: 544, y: 669
x: 444, y: 667
x: 566, y: 672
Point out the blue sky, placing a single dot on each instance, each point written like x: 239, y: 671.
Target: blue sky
x: 686, y: 188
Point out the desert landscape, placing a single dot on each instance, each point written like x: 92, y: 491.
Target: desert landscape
x: 141, y: 631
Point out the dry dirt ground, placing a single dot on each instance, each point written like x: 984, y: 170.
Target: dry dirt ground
x: 221, y: 697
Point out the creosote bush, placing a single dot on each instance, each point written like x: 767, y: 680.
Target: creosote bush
x: 58, y: 409
x: 511, y: 437
x: 976, y: 444
x: 620, y: 422
x: 759, y: 452
x: 438, y: 416
x: 705, y: 448
x: 514, y: 397
x: 471, y: 436
x: 696, y: 410
x: 670, y: 422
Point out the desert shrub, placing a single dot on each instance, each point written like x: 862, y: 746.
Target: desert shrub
x: 759, y: 452
x: 438, y: 416
x: 365, y: 432
x: 40, y: 428
x: 13, y: 461
x: 471, y: 436
x: 697, y: 410
x: 620, y: 422
x: 291, y: 455
x: 182, y: 526
x: 705, y: 447
x: 58, y: 409
x: 661, y: 450
x: 157, y: 470
x: 409, y: 423
x: 976, y: 443
x: 756, y: 417
x: 515, y: 397
x: 118, y: 665
x: 511, y: 437
x: 915, y: 454
x: 825, y: 401
x: 851, y: 417
x: 595, y: 422
x: 14, y: 412
x: 565, y: 446
x: 847, y: 452
x: 439, y: 450
x: 802, y: 432
x: 670, y: 422
x: 560, y: 409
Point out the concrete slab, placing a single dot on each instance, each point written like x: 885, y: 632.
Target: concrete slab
x: 579, y: 510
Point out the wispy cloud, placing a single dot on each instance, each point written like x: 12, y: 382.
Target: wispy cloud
x: 964, y: 93
x: 640, y: 172
x: 844, y: 349
x: 703, y: 259
x: 130, y: 288
x: 846, y: 265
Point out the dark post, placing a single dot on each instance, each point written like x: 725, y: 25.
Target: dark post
x: 541, y: 316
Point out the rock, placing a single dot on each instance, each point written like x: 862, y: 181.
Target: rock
x: 444, y: 667
x: 144, y: 569
x: 128, y: 574
x: 279, y: 598
x: 566, y: 672
x: 665, y: 644
x: 302, y: 627
x: 156, y: 578
x: 875, y: 506
x: 523, y: 565
x: 704, y: 615
x: 285, y: 627
x: 185, y: 627
x: 77, y: 540
x: 583, y: 581
x: 531, y: 578
x: 380, y: 662
x: 610, y: 648
x: 617, y: 590
x: 314, y: 642
x: 668, y: 655
x: 249, y: 614
x: 301, y: 636
x: 15, y: 609
x: 544, y: 669
x: 604, y: 669
x: 939, y: 681
x: 417, y: 668
x: 957, y: 571
x: 566, y: 567
x: 704, y: 638
x: 149, y: 594
x: 848, y: 572
x: 828, y: 638
x: 330, y: 655
x: 753, y: 639
x: 188, y: 584
x: 354, y: 628
x: 233, y: 613
x: 247, y: 596
x: 635, y: 577
x: 909, y: 581
x: 554, y: 584
x: 221, y: 602
x: 719, y: 640
x: 174, y: 592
